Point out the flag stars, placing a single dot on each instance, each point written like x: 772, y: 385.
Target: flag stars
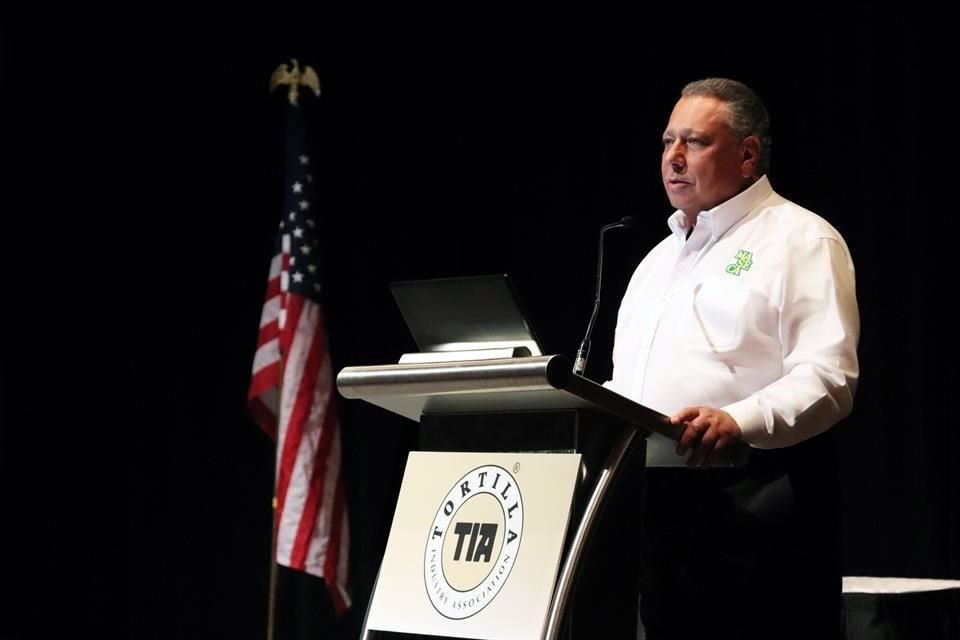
x: 311, y: 222
x: 297, y: 277
x: 304, y: 159
x: 293, y: 215
x: 298, y: 232
x: 297, y: 187
x: 309, y: 178
x: 316, y: 286
x: 304, y: 205
x: 312, y: 268
x: 306, y: 249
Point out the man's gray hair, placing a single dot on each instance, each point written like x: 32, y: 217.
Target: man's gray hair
x: 748, y: 116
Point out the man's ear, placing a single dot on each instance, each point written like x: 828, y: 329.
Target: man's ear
x: 750, y: 156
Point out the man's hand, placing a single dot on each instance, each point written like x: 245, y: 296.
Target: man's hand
x: 706, y: 431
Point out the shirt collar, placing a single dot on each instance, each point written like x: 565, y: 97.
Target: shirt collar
x: 724, y: 215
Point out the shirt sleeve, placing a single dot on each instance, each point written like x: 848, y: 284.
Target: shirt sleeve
x: 819, y: 329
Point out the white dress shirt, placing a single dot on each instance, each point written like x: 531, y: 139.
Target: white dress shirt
x: 754, y: 313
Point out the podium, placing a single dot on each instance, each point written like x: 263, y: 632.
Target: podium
x: 534, y: 405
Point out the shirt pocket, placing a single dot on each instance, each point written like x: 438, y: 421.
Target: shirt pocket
x: 716, y: 316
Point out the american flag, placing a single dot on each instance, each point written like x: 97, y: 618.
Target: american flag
x: 291, y: 392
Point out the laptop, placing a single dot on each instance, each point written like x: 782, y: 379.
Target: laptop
x: 465, y: 318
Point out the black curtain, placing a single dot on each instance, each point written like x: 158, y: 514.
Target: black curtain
x: 141, y: 169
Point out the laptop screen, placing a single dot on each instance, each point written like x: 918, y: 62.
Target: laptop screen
x: 466, y: 313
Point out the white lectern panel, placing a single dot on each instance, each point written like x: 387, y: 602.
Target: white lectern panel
x: 475, y: 544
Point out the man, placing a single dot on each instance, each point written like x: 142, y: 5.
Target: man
x: 742, y: 325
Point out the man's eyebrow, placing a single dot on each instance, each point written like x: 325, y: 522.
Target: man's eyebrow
x: 686, y: 132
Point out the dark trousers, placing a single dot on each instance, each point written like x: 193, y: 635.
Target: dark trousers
x: 749, y: 553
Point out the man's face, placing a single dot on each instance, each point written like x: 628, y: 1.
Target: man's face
x: 703, y: 164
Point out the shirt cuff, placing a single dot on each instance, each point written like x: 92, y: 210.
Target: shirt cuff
x: 749, y: 417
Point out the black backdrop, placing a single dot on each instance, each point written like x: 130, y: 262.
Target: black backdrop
x: 140, y: 193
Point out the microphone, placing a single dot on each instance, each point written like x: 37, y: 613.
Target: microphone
x: 580, y: 363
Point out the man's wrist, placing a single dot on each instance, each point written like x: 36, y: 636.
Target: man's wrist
x: 749, y: 417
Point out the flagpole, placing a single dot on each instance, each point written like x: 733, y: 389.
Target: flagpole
x: 272, y: 596
x: 293, y: 77
x: 274, y: 505
x: 274, y: 520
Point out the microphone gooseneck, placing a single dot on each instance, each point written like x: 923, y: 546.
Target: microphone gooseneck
x: 580, y: 363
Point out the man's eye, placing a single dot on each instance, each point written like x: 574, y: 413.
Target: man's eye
x: 667, y: 142
x: 695, y: 141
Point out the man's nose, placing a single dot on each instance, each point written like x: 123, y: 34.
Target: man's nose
x: 674, y: 156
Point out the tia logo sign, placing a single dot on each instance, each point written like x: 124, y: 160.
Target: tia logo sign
x: 473, y: 543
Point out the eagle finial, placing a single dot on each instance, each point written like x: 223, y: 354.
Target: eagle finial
x: 294, y: 78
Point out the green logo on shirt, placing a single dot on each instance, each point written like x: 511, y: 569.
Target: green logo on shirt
x: 744, y: 261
